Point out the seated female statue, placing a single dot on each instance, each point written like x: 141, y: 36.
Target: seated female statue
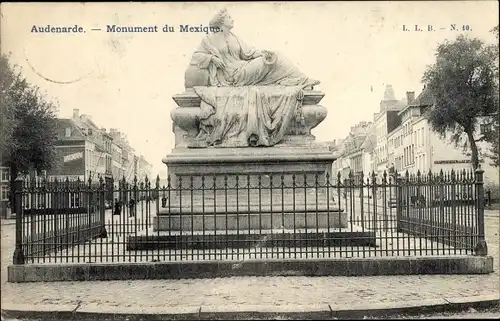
x: 222, y: 59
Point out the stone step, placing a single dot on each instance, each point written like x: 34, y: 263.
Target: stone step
x: 231, y: 208
x: 253, y: 220
x: 232, y: 203
x: 277, y: 238
x: 252, y: 196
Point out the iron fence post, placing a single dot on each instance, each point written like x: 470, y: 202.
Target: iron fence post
x: 374, y: 196
x: 18, y: 257
x: 481, y: 247
x: 102, y: 208
x: 399, y: 201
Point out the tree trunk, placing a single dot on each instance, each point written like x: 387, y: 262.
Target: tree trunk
x: 474, y: 151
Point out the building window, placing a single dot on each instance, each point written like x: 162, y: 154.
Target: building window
x: 5, y: 174
x: 89, y: 131
x: 68, y: 132
x: 484, y: 128
x: 4, y: 192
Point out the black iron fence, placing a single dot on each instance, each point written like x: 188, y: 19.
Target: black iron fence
x: 238, y: 217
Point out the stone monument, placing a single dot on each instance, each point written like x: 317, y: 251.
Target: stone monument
x: 245, y: 112
x: 246, y: 117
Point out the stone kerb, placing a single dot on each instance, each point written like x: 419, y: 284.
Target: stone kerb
x: 268, y: 267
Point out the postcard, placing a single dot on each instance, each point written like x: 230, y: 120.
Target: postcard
x: 159, y: 141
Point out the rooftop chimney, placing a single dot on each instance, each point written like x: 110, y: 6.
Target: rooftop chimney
x: 103, y: 130
x: 410, y: 97
x: 76, y: 113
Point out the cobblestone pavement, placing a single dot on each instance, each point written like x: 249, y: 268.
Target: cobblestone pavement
x: 250, y: 291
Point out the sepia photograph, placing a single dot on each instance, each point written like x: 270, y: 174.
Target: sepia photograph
x: 254, y: 160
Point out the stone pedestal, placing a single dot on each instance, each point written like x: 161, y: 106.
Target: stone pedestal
x: 285, y: 159
x: 284, y: 186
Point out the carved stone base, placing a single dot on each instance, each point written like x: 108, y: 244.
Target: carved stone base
x: 186, y: 117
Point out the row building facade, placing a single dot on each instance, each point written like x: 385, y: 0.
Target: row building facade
x: 87, y: 152
x: 401, y: 138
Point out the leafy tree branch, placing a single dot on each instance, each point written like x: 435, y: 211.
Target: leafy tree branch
x: 28, y: 118
x: 463, y: 85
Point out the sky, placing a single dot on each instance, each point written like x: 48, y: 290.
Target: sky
x: 127, y: 80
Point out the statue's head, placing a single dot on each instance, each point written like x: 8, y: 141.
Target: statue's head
x: 222, y: 19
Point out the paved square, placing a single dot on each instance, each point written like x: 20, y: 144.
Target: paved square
x: 177, y: 295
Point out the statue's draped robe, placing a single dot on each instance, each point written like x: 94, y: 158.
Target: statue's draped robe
x: 247, y: 116
x: 249, y: 102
